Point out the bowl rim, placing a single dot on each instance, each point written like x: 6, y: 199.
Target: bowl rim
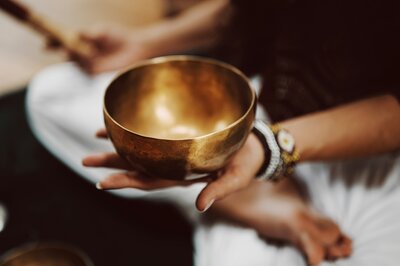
x: 167, y: 58
x: 25, y: 248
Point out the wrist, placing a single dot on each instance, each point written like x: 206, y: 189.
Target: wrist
x: 160, y: 38
x: 147, y: 41
x: 261, y: 154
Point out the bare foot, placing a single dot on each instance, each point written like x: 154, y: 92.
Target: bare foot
x: 279, y: 211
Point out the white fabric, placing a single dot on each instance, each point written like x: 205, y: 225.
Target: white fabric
x: 64, y: 107
x: 362, y: 196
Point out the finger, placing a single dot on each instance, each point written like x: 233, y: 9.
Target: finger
x: 92, y: 65
x: 102, y: 133
x: 237, y: 175
x: 52, y: 44
x: 87, y: 65
x: 228, y: 182
x: 83, y: 62
x: 120, y: 180
x: 98, y: 65
x: 94, y: 37
x: 109, y: 160
x: 136, y: 180
x: 107, y: 62
x: 102, y: 60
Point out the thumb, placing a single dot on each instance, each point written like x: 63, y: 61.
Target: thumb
x: 94, y: 36
x: 227, y: 183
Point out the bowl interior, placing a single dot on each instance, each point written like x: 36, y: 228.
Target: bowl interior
x: 178, y: 99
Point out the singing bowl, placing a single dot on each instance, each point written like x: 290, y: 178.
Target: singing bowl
x: 179, y: 117
x: 45, y: 254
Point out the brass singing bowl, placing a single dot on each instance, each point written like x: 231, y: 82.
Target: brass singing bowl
x: 45, y: 254
x: 179, y: 117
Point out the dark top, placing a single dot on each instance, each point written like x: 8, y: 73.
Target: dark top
x: 320, y: 53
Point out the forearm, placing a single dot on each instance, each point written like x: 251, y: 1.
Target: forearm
x: 192, y: 29
x: 361, y: 128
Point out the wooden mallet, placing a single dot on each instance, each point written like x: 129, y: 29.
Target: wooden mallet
x: 68, y: 39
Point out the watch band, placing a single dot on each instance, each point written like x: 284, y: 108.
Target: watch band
x: 281, y: 149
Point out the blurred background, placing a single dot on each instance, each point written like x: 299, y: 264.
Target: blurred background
x: 43, y: 200
x: 22, y: 51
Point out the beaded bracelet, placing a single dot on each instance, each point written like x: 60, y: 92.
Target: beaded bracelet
x: 280, y: 151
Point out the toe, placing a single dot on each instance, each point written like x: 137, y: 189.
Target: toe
x: 347, y: 246
x: 342, y: 248
x: 312, y: 248
x: 320, y: 228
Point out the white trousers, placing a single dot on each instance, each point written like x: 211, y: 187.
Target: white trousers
x: 64, y: 108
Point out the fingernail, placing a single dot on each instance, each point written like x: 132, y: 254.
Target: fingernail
x: 98, y: 186
x: 208, y: 205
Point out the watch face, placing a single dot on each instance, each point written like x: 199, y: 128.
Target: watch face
x: 285, y: 141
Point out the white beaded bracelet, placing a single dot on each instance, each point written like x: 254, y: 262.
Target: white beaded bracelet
x: 280, y: 152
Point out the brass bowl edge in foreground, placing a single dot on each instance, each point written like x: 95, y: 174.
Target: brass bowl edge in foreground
x: 45, y: 253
